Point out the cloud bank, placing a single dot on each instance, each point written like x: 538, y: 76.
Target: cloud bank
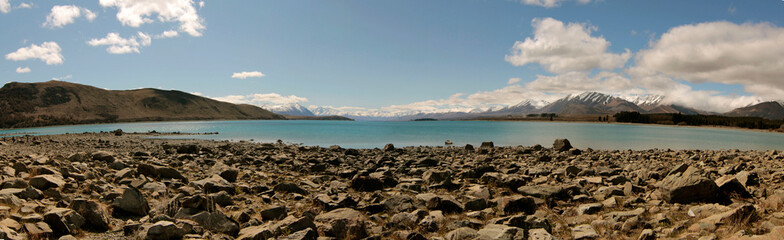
x: 120, y: 45
x: 135, y: 13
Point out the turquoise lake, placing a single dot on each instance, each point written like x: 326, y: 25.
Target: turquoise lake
x: 361, y: 134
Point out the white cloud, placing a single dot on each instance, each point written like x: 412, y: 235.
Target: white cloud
x: 24, y: 5
x: 262, y: 99
x: 720, y: 52
x: 578, y: 82
x: 514, y: 80
x: 560, y: 47
x: 120, y: 45
x: 64, y: 15
x: 244, y: 75
x: 134, y: 13
x: 5, y: 6
x: 550, y: 3
x: 22, y: 70
x: 201, y: 4
x: 167, y: 34
x: 48, y: 52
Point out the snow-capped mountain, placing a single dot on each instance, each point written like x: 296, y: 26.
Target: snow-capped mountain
x: 590, y: 103
x: 291, y: 109
x: 646, y: 101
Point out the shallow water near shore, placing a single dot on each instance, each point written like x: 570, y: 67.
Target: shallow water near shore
x: 376, y: 134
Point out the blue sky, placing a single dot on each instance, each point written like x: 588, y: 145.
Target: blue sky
x: 392, y: 56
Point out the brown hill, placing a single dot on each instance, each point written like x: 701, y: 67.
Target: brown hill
x: 769, y: 110
x: 57, y: 103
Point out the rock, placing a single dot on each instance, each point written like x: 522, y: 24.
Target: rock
x: 230, y: 174
x: 255, y: 233
x: 730, y: 185
x: 516, y: 204
x: 287, y: 187
x: 433, y: 176
x: 162, y: 230
x: 389, y: 147
x: 215, y: 184
x: 500, y: 232
x: 747, y: 178
x: 561, y: 145
x: 132, y: 201
x: 39, y: 230
x: 402, y: 220
x: 584, y: 231
x: 46, y: 181
x: 102, y: 156
x: 367, y: 183
x: 293, y: 224
x: 589, y: 208
x: 399, y: 203
x: 688, y: 187
x: 647, y: 234
x: 605, y: 192
x: 343, y: 223
x: 214, y: 221
x: 274, y: 213
x: 487, y: 145
x: 306, y: 234
x: 743, y: 214
x: 64, y: 221
x: 539, y: 234
x: 462, y: 233
x: 549, y: 191
x: 96, y: 217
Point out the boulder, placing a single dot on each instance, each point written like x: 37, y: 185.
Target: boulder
x: 498, y: 231
x: 162, y: 230
x: 46, y: 181
x: 215, y: 184
x: 96, y: 217
x: 367, y: 183
x: 516, y: 204
x: 288, y: 187
x: 306, y: 234
x: 584, y: 231
x: 274, y: 213
x: 132, y: 201
x: 463, y: 233
x: 561, y: 145
x: 343, y: 223
x: 688, y: 187
x: 539, y: 234
x: 255, y: 233
x: 64, y: 221
x: 102, y: 156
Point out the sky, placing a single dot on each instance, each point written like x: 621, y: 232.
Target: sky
x: 404, y: 56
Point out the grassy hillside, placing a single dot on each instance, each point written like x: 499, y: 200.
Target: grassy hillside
x: 57, y: 103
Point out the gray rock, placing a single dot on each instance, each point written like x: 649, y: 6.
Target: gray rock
x: 274, y: 213
x: 255, y: 233
x: 584, y: 231
x: 462, y: 233
x: 287, y: 187
x: 215, y: 184
x: 500, y: 232
x: 102, y: 156
x: 539, y: 234
x: 688, y: 187
x: 162, y: 230
x: 47, y: 181
x: 561, y: 145
x: 96, y: 217
x: 343, y: 223
x: 589, y: 208
x: 64, y: 221
x: 516, y: 204
x: 132, y: 201
x: 306, y: 234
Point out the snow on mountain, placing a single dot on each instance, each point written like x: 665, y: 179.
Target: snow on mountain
x: 590, y: 97
x: 292, y: 109
x: 644, y: 100
x: 536, y: 103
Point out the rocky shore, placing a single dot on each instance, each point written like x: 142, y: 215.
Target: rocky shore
x: 127, y: 186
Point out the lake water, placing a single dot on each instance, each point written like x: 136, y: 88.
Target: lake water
x: 361, y: 134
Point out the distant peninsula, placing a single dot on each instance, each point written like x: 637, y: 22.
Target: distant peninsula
x: 64, y: 103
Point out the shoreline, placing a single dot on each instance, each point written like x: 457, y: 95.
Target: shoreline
x: 625, y: 123
x: 136, y: 185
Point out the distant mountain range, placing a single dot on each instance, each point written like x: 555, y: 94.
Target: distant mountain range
x: 585, y: 103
